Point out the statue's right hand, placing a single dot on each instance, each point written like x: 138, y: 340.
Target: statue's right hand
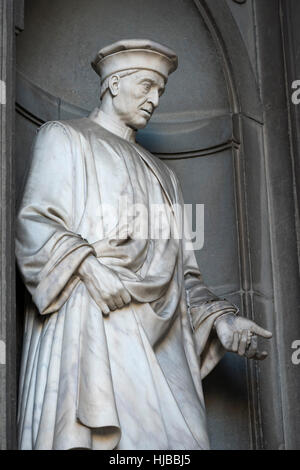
x: 104, y: 285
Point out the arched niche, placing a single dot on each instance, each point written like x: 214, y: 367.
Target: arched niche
x: 197, y: 130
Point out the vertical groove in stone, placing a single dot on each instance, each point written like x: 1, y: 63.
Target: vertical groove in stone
x: 7, y: 300
x: 2, y: 188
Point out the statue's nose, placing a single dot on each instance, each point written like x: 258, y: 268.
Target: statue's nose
x: 154, y: 98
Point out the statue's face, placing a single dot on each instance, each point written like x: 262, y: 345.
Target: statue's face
x: 137, y: 97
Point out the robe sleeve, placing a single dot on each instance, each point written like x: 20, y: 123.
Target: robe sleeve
x: 203, y: 306
x: 201, y: 301
x: 48, y: 249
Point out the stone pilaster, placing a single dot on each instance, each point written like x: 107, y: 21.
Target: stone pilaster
x: 9, y: 9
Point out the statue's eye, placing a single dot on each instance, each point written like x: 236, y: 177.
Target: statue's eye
x: 146, y: 86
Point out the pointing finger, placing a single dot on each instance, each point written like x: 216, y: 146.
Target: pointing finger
x: 261, y: 331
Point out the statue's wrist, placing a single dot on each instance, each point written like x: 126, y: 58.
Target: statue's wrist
x: 86, y: 267
x: 225, y: 316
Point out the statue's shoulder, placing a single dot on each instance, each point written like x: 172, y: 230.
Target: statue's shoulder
x: 79, y: 128
x: 71, y: 126
x: 164, y: 168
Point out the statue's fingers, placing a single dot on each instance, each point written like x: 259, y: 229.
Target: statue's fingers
x: 111, y: 304
x: 253, y: 353
x: 258, y: 330
x: 125, y: 296
x: 98, y: 300
x: 250, y: 354
x: 103, y: 307
x: 253, y: 343
x: 243, y: 343
x: 119, y: 301
x: 235, y: 341
x: 260, y: 356
x: 252, y: 349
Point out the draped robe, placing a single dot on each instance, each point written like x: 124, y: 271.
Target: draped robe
x: 132, y: 379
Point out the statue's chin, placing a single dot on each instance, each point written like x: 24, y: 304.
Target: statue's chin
x: 139, y: 125
x: 139, y: 120
x: 142, y: 126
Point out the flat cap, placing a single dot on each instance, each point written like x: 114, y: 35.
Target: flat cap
x: 135, y: 54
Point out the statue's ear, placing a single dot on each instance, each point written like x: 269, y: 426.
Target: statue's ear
x: 114, y: 84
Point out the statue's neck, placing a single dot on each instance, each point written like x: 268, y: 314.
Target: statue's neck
x: 113, y: 125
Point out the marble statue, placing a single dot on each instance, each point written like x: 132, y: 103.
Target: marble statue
x: 119, y: 329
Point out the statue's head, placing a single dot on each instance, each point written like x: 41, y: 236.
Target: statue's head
x: 133, y: 75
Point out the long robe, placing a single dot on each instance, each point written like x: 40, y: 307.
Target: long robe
x: 132, y: 379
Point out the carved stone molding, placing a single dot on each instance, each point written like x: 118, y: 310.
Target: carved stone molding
x: 206, y: 134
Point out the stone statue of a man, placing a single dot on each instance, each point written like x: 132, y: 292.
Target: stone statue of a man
x: 120, y: 328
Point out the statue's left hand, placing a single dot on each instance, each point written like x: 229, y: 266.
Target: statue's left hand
x: 239, y: 335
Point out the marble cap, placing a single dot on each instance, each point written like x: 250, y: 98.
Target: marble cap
x: 134, y: 54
